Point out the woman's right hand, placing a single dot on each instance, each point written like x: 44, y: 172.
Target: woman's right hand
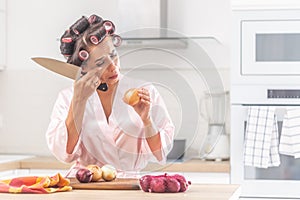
x: 87, y: 84
x: 83, y: 89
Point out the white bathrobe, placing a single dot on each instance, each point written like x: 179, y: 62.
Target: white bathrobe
x: 120, y: 141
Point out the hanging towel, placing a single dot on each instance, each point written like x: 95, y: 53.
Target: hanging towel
x: 261, y: 138
x: 35, y: 184
x: 290, y: 134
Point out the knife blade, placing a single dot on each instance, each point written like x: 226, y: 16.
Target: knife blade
x: 59, y: 67
x: 66, y: 69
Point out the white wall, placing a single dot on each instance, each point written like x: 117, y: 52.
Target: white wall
x: 28, y: 92
x: 2, y: 33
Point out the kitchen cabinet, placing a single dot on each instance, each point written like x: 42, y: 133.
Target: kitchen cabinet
x: 2, y: 34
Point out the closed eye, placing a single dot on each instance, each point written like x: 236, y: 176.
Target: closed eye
x: 100, y: 62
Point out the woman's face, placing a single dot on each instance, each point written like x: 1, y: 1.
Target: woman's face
x: 104, y: 55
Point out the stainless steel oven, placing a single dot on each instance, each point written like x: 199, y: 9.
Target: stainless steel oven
x: 265, y: 72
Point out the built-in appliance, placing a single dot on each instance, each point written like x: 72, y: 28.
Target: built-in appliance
x: 265, y: 72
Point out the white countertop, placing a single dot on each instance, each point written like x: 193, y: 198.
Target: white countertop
x: 5, y: 158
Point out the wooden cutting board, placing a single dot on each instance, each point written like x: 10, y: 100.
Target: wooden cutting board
x: 117, y: 184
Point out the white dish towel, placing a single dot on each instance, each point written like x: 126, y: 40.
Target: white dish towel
x: 290, y: 134
x: 261, y: 138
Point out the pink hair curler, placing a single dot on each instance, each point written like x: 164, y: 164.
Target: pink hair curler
x: 94, y: 39
x: 83, y: 55
x: 67, y: 40
x: 109, y: 27
x: 117, y: 40
x: 75, y: 31
x: 92, y: 19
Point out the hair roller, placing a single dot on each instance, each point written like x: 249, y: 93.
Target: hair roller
x: 67, y: 48
x: 116, y: 40
x: 98, y: 36
x: 79, y: 26
x: 109, y: 27
x: 83, y: 55
x: 94, y: 19
x: 67, y: 40
x: 94, y: 39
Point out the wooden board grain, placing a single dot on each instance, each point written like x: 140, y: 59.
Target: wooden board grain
x: 117, y: 184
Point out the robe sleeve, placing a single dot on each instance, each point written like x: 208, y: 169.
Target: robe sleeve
x: 162, y: 121
x: 56, y: 135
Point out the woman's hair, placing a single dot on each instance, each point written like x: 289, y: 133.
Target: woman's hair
x: 75, y: 43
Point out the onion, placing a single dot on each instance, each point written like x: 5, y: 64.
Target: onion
x: 158, y: 185
x: 131, y: 96
x: 84, y: 175
x: 109, y: 172
x: 145, y: 182
x: 97, y: 172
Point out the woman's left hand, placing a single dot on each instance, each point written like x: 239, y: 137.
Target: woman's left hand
x: 143, y: 106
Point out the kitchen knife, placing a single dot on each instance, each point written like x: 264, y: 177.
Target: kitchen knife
x: 63, y: 68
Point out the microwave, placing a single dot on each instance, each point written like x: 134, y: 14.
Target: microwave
x: 265, y: 47
x: 270, y: 47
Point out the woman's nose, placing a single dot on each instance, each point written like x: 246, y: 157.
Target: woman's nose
x: 112, y: 65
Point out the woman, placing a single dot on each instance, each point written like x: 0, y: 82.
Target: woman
x: 91, y: 123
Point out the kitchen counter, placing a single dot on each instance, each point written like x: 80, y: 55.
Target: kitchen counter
x: 194, y: 165
x: 195, y: 192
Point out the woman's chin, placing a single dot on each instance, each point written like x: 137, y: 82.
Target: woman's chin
x: 112, y: 81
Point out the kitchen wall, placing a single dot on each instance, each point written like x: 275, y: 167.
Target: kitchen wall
x: 28, y: 92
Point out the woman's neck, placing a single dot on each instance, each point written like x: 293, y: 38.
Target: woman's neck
x: 111, y: 90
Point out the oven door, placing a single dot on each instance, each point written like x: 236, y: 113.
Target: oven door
x: 270, y: 47
x: 282, y: 181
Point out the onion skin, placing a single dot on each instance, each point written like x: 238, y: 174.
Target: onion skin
x: 84, y: 175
